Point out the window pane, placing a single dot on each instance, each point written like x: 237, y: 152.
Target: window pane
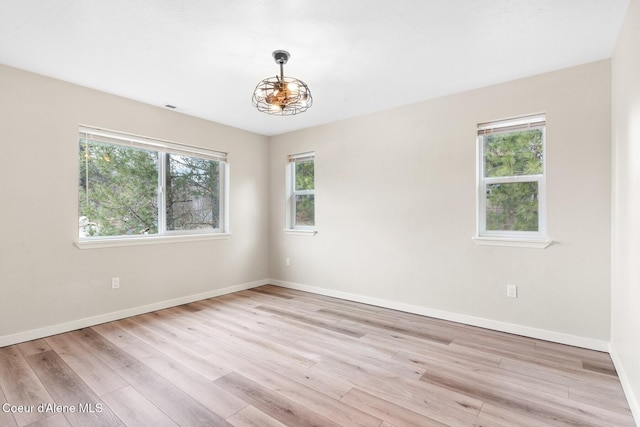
x: 304, y: 175
x: 513, y: 154
x: 305, y: 210
x: 192, y: 193
x: 117, y: 190
x: 512, y: 206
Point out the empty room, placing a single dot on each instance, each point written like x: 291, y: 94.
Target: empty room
x: 333, y: 213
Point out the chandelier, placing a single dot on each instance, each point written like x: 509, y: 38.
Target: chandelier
x: 280, y: 95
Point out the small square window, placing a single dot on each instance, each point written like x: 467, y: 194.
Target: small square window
x: 512, y: 206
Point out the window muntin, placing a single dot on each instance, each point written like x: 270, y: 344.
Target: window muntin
x: 511, y: 179
x: 132, y: 186
x: 301, y: 193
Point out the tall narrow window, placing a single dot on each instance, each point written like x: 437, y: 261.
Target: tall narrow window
x: 511, y: 179
x: 301, y: 191
x: 135, y: 186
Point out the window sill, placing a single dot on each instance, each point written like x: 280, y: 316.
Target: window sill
x: 518, y: 243
x: 137, y: 241
x: 294, y: 232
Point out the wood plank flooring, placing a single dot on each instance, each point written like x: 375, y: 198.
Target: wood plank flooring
x: 277, y: 357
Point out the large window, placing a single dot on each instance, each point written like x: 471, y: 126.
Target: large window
x: 135, y: 186
x: 301, y: 192
x: 511, y: 179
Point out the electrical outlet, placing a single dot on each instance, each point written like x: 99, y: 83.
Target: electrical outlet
x: 512, y: 291
x: 287, y: 261
x: 115, y: 282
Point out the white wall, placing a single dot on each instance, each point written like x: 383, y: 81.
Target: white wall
x: 625, y: 286
x: 44, y: 279
x: 395, y: 210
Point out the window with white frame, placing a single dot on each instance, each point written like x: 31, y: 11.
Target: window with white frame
x: 132, y: 186
x: 301, y: 192
x: 511, y: 178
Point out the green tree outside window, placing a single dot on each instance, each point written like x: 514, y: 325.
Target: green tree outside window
x: 513, y: 206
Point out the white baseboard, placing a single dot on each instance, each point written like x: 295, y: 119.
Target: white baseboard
x: 553, y: 336
x: 512, y: 328
x: 632, y: 399
x: 116, y: 315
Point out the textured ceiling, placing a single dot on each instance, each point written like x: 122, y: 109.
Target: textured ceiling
x: 357, y: 56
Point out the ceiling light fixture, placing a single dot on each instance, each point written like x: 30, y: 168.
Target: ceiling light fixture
x: 280, y: 95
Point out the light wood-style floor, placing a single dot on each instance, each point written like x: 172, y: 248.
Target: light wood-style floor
x: 277, y: 357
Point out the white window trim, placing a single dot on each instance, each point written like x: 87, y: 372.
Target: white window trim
x: 528, y: 239
x: 163, y: 236
x: 517, y: 243
x: 112, y: 242
x: 296, y: 232
x: 291, y: 227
